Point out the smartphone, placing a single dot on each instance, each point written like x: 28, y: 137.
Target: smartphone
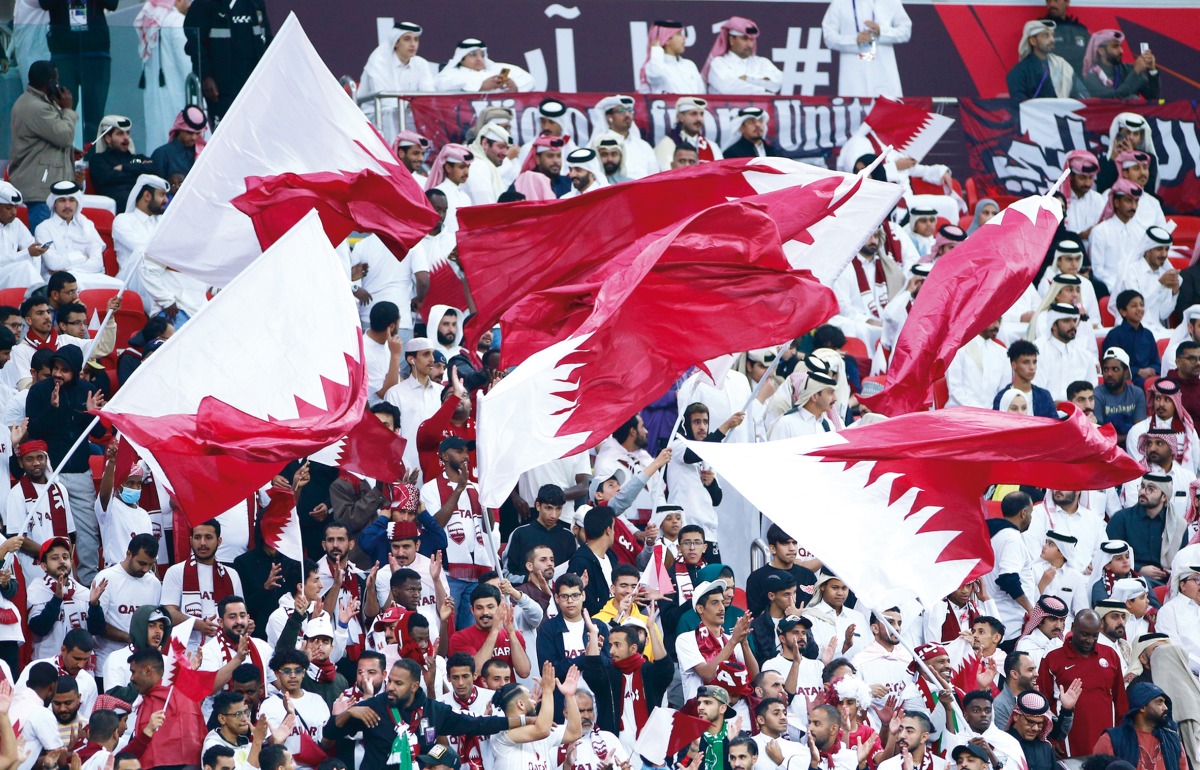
x: 47, y: 244
x: 53, y: 88
x: 504, y: 72
x: 1145, y: 47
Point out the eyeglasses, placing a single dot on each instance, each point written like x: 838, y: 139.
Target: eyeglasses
x: 291, y: 671
x: 572, y: 597
x: 622, y: 110
x: 237, y: 714
x: 691, y: 543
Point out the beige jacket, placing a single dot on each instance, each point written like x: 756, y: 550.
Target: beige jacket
x: 42, y: 152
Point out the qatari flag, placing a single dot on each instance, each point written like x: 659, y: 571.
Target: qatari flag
x: 666, y: 733
x: 913, y: 486
x: 292, y: 141
x: 909, y: 130
x: 968, y: 289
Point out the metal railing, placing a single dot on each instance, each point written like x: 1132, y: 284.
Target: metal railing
x: 760, y: 554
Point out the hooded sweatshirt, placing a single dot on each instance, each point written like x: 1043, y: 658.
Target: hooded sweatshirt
x: 1124, y: 736
x: 60, y: 426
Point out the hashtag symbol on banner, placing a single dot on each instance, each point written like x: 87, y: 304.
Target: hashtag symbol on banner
x: 801, y: 63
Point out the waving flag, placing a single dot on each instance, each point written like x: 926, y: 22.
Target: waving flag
x: 177, y: 668
x: 292, y: 141
x: 666, y: 733
x: 368, y: 450
x: 912, y: 486
x: 221, y: 407
x: 666, y: 308
x: 910, y: 131
x: 821, y: 228
x: 967, y: 290
x: 280, y: 525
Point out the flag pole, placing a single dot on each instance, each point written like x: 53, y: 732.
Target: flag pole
x: 921, y: 664
x: 487, y: 528
x: 1061, y: 178
x: 758, y: 385
x: 87, y: 352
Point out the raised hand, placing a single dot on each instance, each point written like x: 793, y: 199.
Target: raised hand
x: 275, y: 578
x: 435, y: 567
x: 446, y: 609
x: 741, y: 629
x: 300, y: 602
x: 548, y: 681
x: 349, y: 611
x: 1070, y: 696
x: 280, y: 734
x: 6, y: 695
x: 97, y: 590
x: 570, y: 685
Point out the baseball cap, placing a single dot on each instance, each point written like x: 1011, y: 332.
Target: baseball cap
x: 319, y: 626
x: 716, y: 692
x: 53, y: 542
x: 1118, y: 354
x: 707, y: 587
x: 454, y: 442
x: 600, y: 477
x: 439, y: 755
x: 969, y: 748
x: 791, y: 621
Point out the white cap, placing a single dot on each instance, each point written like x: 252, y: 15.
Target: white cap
x: 318, y: 626
x: 417, y: 344
x: 706, y: 588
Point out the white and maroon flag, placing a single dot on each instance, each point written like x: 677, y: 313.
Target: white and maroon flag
x: 598, y: 333
x: 292, y: 141
x: 280, y: 524
x: 369, y: 450
x: 909, y: 131
x: 666, y: 733
x: 221, y: 407
x: 898, y: 504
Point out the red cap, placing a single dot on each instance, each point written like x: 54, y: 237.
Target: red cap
x: 52, y: 543
x: 403, y: 530
x: 390, y: 617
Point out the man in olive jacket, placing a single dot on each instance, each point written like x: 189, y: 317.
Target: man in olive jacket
x: 43, y: 131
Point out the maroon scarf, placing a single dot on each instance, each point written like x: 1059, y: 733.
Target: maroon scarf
x: 58, y: 511
x: 731, y: 674
x: 350, y: 584
x: 68, y: 591
x: 322, y: 671
x: 866, y: 288
x: 229, y: 650
x: 222, y: 582
x: 635, y: 689
x: 683, y: 580
x: 469, y: 751
x: 50, y: 343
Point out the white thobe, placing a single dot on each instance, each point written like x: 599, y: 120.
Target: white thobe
x: 417, y: 403
x: 672, y: 74
x: 166, y: 287
x: 1149, y: 212
x: 1061, y: 363
x: 75, y: 246
x: 1012, y: 328
x: 1160, y: 301
x: 384, y: 72
x: 486, y: 180
x: 1083, y: 213
x: 18, y: 269
x: 800, y: 423
x: 978, y: 372
x: 1037, y: 645
x: 386, y: 280
x: 1112, y: 245
x: 894, y: 316
x: 858, y: 77
x: 1084, y: 524
x: 1179, y: 619
x: 131, y: 232
x: 638, y: 156
x: 1188, y: 441
x: 731, y: 74
x: 466, y: 79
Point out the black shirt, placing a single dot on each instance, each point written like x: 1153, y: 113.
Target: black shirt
x: 527, y: 536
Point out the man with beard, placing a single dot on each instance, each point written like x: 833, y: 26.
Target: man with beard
x: 626, y: 448
x: 627, y: 690
x: 596, y: 749
x: 864, y: 289
x: 386, y: 719
x: 1064, y: 515
x: 712, y: 705
x: 411, y: 148
x: 1070, y: 36
x: 979, y: 370
x: 123, y: 587
x: 800, y: 677
x: 72, y: 661
x: 751, y: 124
x: 1146, y: 729
x: 1119, y: 401
x: 545, y: 160
x: 494, y: 172
x: 32, y: 511
x: 1106, y: 76
x: 343, y: 584
x: 113, y: 162
x: 229, y: 726
x: 690, y: 112
x: 1099, y: 670
x: 453, y: 418
x: 132, y: 230
x: 195, y: 586
x: 185, y: 730
x: 585, y: 171
x: 454, y: 500
x: 149, y: 626
x: 883, y: 663
x: 610, y: 146
x: 896, y: 313
x: 1040, y: 73
x: 1034, y: 728
x: 1020, y: 675
x: 1154, y: 527
x: 56, y: 603
x: 1168, y: 415
x: 912, y: 745
x: 1063, y: 358
x: 1042, y: 633
x: 410, y: 579
x: 21, y: 266
x: 637, y: 155
x: 1114, y: 618
x: 539, y: 574
x: 233, y: 645
x: 494, y: 633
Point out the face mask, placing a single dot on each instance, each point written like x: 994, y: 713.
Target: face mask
x: 130, y: 496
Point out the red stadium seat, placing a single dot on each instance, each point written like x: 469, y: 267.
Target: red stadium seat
x: 966, y: 221
x: 1187, y: 232
x: 1160, y: 593
x: 972, y: 194
x: 103, y: 220
x: 23, y: 214
x: 12, y: 297
x: 858, y: 349
x: 1106, y: 315
x: 1147, y: 385
x: 130, y: 318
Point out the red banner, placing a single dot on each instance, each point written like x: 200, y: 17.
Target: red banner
x: 1017, y: 151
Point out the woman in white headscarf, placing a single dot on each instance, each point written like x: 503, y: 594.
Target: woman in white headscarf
x: 165, y: 66
x: 1014, y: 401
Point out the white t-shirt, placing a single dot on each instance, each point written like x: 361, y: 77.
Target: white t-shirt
x: 41, y: 526
x: 479, y: 705
x: 72, y: 614
x: 87, y: 686
x: 36, y: 725
x: 120, y: 600
x: 535, y: 755
x: 808, y: 685
x: 118, y: 525
x: 786, y: 747
x: 311, y: 716
x: 377, y: 358
x: 598, y: 750
x: 116, y: 668
x: 687, y: 653
x: 573, y: 639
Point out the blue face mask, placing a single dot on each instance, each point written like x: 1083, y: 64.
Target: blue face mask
x: 130, y: 496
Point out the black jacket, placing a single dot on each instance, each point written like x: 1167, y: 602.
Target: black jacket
x: 60, y: 426
x: 560, y: 540
x: 377, y: 740
x: 744, y: 148
x: 597, y: 593
x: 253, y: 567
x: 113, y: 182
x: 225, y: 41
x: 608, y: 685
x: 64, y: 40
